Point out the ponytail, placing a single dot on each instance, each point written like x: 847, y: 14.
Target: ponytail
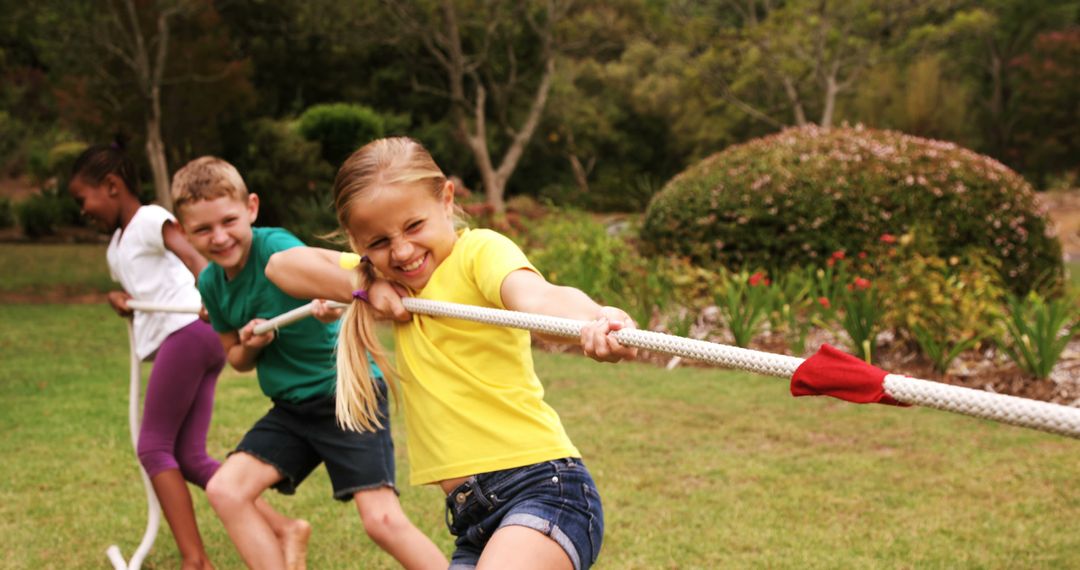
x: 357, y: 393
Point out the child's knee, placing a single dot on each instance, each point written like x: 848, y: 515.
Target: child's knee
x: 198, y: 469
x: 382, y: 523
x: 222, y: 495
x: 155, y: 461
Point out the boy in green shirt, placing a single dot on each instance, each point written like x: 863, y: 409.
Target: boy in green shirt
x: 296, y: 368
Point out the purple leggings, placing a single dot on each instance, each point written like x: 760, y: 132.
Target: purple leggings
x: 179, y: 402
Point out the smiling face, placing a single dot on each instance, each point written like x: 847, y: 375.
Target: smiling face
x: 220, y: 229
x: 99, y: 202
x: 406, y: 231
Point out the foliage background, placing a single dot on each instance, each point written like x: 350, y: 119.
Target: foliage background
x: 640, y: 88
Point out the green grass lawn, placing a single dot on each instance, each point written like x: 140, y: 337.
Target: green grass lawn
x: 57, y: 269
x: 698, y: 468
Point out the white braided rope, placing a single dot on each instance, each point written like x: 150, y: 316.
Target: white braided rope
x: 1044, y: 416
x: 1053, y: 418
x: 1024, y: 412
x: 148, y: 307
x: 290, y: 317
x: 731, y: 356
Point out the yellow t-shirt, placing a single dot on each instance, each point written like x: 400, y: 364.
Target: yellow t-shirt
x: 473, y: 403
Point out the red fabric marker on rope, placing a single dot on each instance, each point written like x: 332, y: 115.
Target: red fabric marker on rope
x: 831, y: 372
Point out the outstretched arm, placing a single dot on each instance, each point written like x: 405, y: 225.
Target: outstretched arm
x: 527, y: 291
x: 311, y: 273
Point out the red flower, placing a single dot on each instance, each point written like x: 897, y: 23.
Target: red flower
x: 862, y: 255
x: 888, y: 238
x: 838, y: 255
x: 758, y: 279
x: 861, y: 283
x: 830, y: 262
x: 824, y: 302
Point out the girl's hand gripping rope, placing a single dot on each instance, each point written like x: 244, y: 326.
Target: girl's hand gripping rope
x: 597, y: 342
x: 385, y: 299
x: 118, y: 300
x: 321, y: 310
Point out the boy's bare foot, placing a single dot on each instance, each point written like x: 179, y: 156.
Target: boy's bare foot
x: 294, y: 542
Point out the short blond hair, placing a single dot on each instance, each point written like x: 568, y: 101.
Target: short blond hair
x: 207, y: 178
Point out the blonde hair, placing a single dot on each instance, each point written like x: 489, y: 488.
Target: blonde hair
x: 398, y: 163
x: 206, y: 178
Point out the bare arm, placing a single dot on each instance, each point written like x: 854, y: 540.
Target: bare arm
x: 311, y: 273
x: 526, y: 291
x: 242, y: 347
x: 175, y: 242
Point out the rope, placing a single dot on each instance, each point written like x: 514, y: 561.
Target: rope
x: 1043, y: 416
x: 148, y: 307
x: 153, y: 508
x: 290, y: 317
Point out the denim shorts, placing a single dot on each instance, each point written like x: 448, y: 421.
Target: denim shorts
x: 557, y: 498
x: 295, y: 437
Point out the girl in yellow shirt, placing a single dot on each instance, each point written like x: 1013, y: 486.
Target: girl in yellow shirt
x: 518, y: 494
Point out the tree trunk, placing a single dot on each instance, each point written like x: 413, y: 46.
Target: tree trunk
x: 831, y: 90
x: 155, y: 150
x: 796, y: 104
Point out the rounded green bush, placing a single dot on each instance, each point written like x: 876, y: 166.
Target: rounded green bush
x: 342, y: 128
x: 795, y: 197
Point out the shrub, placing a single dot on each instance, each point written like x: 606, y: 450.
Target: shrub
x: 744, y: 301
x: 571, y: 248
x: 7, y: 212
x: 290, y: 177
x: 795, y: 197
x: 341, y: 128
x: 41, y: 214
x: 1039, y: 329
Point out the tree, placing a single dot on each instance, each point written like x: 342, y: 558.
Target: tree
x: 809, y: 52
x: 110, y: 51
x: 496, y: 64
x: 1048, y: 124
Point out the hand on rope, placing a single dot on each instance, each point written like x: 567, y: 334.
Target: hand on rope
x: 326, y: 311
x: 598, y: 343
x: 384, y: 297
x: 253, y: 340
x: 118, y: 300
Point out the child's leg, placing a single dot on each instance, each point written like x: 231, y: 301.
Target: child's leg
x: 270, y: 455
x: 178, y: 375
x: 509, y: 544
x: 172, y: 492
x: 361, y: 466
x: 206, y: 364
x: 387, y: 525
x: 293, y: 534
x: 544, y: 515
x: 233, y: 492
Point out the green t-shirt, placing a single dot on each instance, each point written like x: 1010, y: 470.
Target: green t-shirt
x: 300, y: 363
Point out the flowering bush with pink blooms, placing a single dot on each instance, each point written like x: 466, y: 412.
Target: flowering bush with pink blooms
x: 796, y: 197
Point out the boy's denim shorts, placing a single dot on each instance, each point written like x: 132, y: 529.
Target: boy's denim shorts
x: 557, y: 498
x: 295, y: 437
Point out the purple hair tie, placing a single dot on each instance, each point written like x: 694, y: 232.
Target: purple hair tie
x: 361, y: 295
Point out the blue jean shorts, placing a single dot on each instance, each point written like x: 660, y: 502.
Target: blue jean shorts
x: 557, y: 498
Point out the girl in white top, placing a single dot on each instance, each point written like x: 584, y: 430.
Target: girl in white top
x: 151, y: 259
